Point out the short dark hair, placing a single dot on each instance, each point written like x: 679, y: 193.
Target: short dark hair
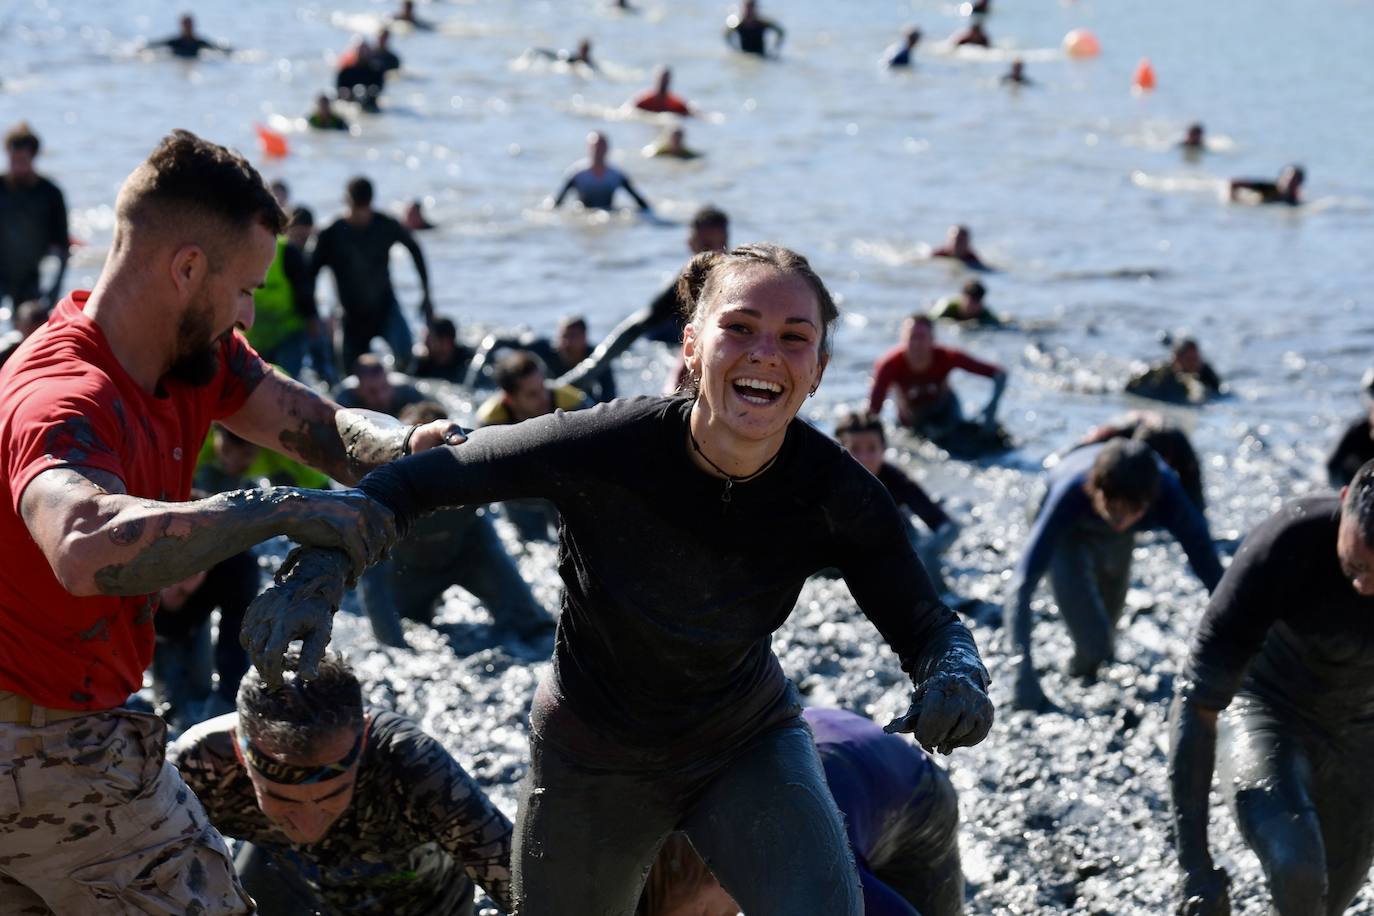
x: 709, y: 217
x: 703, y: 274
x: 1359, y: 501
x: 198, y: 187
x: 298, y: 716
x: 21, y: 136
x: 572, y: 321
x: 359, y: 191
x: 513, y: 368
x: 1126, y: 470
x: 975, y: 290
x: 423, y: 412
x: 302, y: 216
x: 921, y: 318
x: 860, y: 421
x: 1184, y: 344
x: 444, y: 327
x: 368, y: 364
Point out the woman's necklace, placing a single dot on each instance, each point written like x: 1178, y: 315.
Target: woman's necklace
x: 730, y: 479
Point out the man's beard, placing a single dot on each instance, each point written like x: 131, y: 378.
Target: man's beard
x: 197, y: 359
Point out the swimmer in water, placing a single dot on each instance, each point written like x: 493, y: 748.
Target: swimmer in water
x: 383, y: 59
x: 1186, y: 378
x: 748, y: 31
x: 1194, y: 140
x: 972, y: 36
x: 187, y: 44
x: 1285, y: 190
x: 407, y: 15
x: 1099, y: 496
x: 901, y: 813
x: 644, y: 726
x: 1277, y: 692
x: 583, y: 54
x: 918, y: 370
x: 414, y: 217
x: 967, y: 308
x: 899, y: 55
x: 1016, y: 76
x: 659, y: 99
x: 959, y: 246
x: 671, y: 146
x: 594, y: 182
x: 357, y: 80
x: 324, y: 117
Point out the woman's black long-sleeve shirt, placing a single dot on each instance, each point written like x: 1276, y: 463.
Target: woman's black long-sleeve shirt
x: 672, y: 593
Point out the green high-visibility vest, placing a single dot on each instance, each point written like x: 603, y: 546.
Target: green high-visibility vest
x: 274, y: 305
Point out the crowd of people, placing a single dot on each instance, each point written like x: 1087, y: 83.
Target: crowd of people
x: 155, y: 429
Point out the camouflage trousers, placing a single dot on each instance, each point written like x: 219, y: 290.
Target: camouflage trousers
x: 93, y: 820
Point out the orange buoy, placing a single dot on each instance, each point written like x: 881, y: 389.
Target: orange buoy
x: 1082, y: 44
x: 1144, y: 79
x: 273, y: 144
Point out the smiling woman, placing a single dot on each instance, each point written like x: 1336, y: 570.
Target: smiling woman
x: 690, y: 525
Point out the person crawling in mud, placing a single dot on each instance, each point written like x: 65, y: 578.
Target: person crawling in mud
x: 689, y: 526
x: 1084, y: 533
x: 343, y: 808
x: 1186, y: 378
x: 901, y: 814
x: 917, y: 372
x: 863, y: 436
x: 1279, y: 691
x: 102, y: 412
x: 1168, y: 440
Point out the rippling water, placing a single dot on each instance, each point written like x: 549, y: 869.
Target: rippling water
x: 1103, y: 235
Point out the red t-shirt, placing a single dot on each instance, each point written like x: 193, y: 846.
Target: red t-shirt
x: 649, y: 100
x: 926, y: 387
x: 65, y: 401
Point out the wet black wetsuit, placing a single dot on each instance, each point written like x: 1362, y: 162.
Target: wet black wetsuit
x: 33, y: 224
x: 666, y: 708
x: 909, y: 493
x: 752, y: 36
x: 1288, y: 645
x: 1355, y: 448
x: 360, y: 258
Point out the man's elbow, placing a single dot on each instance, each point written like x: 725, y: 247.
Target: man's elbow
x: 75, y: 566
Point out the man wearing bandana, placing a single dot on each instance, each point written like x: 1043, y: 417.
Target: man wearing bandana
x: 342, y: 810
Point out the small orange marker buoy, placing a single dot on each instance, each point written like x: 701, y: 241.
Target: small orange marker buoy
x: 1081, y: 43
x: 1144, y: 79
x: 273, y: 144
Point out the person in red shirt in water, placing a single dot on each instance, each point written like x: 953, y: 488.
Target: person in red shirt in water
x: 918, y: 370
x: 659, y: 100
x: 102, y: 413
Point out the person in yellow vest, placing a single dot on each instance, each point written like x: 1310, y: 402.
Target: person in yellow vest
x: 285, y: 317
x: 524, y: 394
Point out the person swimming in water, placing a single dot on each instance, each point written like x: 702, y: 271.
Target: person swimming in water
x: 899, y: 55
x: 1194, y: 139
x: 959, y: 246
x: 748, y: 31
x: 659, y: 100
x: 1285, y: 190
x: 972, y: 36
x: 671, y: 146
x: 324, y: 117
x: 690, y: 525
x: 967, y: 308
x: 187, y: 44
x: 1016, y: 76
x: 407, y: 15
x: 595, y: 182
x: 1186, y: 378
x: 583, y: 54
x: 414, y: 217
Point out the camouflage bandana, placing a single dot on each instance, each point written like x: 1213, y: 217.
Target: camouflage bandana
x: 289, y: 775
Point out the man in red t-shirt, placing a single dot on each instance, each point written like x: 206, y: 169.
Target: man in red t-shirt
x: 102, y: 414
x: 918, y: 371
